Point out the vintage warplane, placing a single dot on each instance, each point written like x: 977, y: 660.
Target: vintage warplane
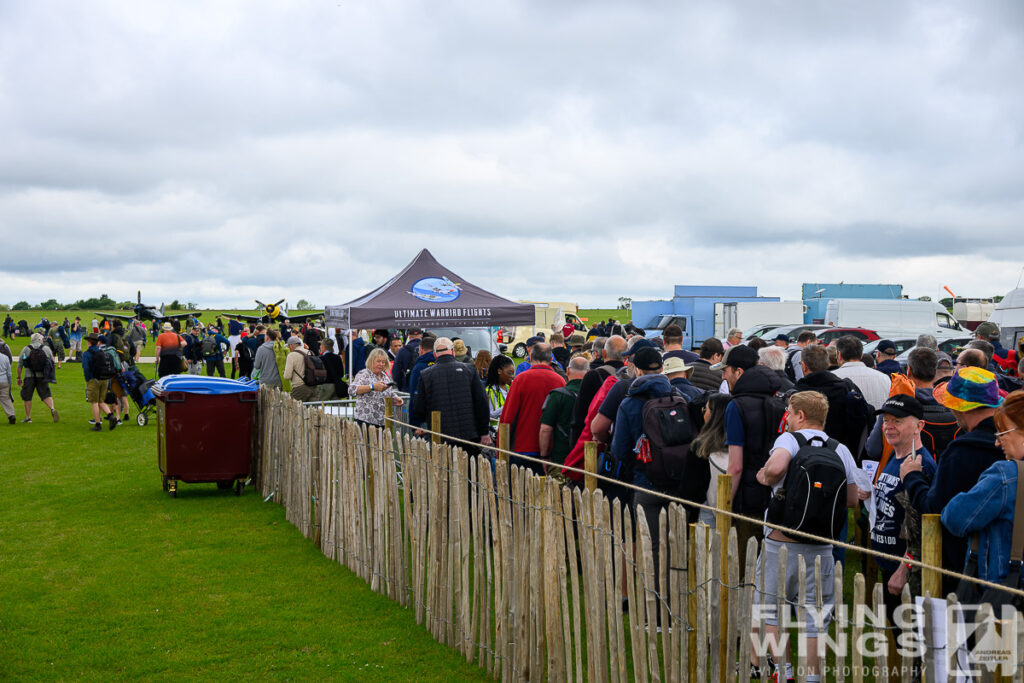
x: 277, y: 311
x: 144, y: 312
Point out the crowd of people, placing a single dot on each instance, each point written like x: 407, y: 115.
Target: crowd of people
x: 933, y: 437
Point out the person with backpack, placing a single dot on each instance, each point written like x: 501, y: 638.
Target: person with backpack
x: 193, y: 349
x: 556, y: 416
x: 753, y: 420
x: 298, y: 370
x: 810, y: 476
x: 650, y: 443
x: 213, y: 347
x: 264, y: 363
x: 36, y: 365
x: 169, y: 352
x: 98, y: 368
x: 939, y: 424
x: 902, y: 420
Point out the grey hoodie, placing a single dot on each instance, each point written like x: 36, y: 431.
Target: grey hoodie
x: 264, y: 365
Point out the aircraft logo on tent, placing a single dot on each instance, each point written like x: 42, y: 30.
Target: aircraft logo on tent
x: 435, y: 290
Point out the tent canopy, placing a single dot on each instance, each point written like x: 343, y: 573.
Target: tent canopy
x: 426, y: 294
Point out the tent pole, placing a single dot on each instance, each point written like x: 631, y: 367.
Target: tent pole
x: 350, y: 355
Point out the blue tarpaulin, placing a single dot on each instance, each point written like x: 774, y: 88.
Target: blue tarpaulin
x: 197, y: 384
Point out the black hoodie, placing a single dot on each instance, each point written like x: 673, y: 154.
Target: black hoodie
x: 754, y: 395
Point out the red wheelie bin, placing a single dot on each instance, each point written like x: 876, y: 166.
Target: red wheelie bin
x: 205, y: 438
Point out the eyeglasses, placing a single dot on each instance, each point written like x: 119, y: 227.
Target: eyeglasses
x: 1000, y: 435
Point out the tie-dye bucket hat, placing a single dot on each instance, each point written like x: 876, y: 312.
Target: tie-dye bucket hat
x: 967, y: 389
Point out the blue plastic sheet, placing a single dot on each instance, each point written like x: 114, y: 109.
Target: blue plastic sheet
x: 197, y: 384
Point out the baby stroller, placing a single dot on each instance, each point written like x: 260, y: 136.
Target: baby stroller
x: 138, y: 387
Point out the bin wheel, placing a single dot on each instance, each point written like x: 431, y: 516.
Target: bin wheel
x: 165, y: 484
x: 224, y: 484
x: 141, y: 419
x: 174, y: 492
x: 239, y: 485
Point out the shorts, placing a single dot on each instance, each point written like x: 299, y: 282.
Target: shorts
x: 116, y: 387
x: 234, y: 340
x: 768, y: 564
x: 96, y: 390
x: 76, y: 344
x: 41, y: 387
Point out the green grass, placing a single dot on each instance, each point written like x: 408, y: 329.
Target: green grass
x: 105, y: 577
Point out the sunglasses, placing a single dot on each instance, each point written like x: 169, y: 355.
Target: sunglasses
x: 999, y: 435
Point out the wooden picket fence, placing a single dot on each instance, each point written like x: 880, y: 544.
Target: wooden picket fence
x: 527, y: 578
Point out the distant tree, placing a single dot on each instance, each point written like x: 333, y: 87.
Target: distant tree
x: 175, y: 306
x: 190, y: 306
x: 106, y: 302
x: 21, y: 306
x: 947, y: 302
x: 624, y: 302
x: 924, y: 298
x: 997, y: 299
x: 49, y: 305
x: 5, y: 307
x: 304, y: 305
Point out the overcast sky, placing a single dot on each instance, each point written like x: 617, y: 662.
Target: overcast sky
x: 227, y: 151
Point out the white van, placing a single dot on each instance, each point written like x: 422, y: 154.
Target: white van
x: 893, y: 317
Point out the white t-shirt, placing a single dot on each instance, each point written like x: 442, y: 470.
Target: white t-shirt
x: 788, y: 443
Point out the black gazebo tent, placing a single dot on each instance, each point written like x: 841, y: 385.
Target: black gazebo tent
x: 426, y: 294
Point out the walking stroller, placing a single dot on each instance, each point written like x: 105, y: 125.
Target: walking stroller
x: 138, y: 387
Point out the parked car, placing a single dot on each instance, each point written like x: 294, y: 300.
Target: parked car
x: 833, y: 333
x: 793, y: 331
x: 950, y: 346
x: 765, y: 330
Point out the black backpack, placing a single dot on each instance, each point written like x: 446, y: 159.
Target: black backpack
x: 940, y: 428
x: 38, y: 363
x: 812, y: 498
x: 315, y: 371
x: 790, y: 368
x: 103, y: 363
x: 668, y: 432
x: 210, y: 347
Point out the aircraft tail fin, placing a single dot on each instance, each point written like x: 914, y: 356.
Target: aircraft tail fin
x: 161, y: 310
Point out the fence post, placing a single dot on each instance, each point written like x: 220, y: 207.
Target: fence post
x: 723, y: 523
x: 503, y: 442
x: 590, y: 465
x: 389, y: 417
x: 931, y: 553
x: 435, y: 426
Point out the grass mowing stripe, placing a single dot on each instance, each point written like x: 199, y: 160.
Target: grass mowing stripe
x: 106, y: 577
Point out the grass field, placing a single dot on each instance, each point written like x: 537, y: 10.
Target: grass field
x: 105, y: 577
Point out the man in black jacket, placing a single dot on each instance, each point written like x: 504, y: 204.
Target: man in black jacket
x: 711, y: 352
x: 845, y: 428
x: 753, y: 420
x: 454, y: 389
x: 612, y: 352
x: 973, y: 395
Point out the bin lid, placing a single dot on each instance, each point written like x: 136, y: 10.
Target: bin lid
x: 195, y: 384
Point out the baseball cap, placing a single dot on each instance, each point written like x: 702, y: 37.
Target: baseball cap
x: 647, y: 358
x: 782, y: 337
x: 967, y: 389
x: 576, y: 339
x: 675, y: 364
x: 740, y: 356
x: 294, y: 341
x: 534, y: 340
x: 640, y: 344
x: 902, y: 405
x: 944, y: 359
x: 886, y: 346
x: 987, y: 330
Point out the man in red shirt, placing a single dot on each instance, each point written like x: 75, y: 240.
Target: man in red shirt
x: 524, y: 404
